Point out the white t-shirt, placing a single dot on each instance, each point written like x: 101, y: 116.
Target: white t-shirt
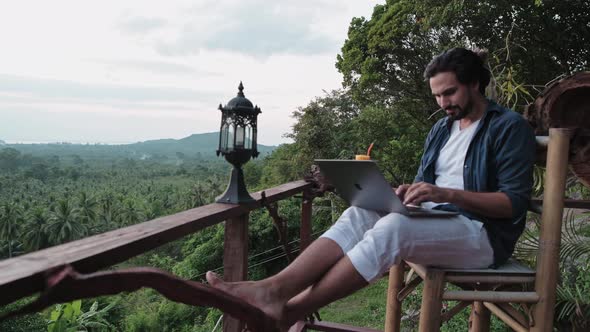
x: 448, y: 169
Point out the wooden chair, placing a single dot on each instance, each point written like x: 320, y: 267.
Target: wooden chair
x: 489, y: 290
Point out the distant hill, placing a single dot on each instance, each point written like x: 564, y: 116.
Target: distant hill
x: 196, y: 145
x: 2, y: 142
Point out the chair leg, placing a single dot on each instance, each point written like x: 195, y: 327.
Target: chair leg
x: 430, y: 315
x: 479, y: 321
x: 551, y: 220
x: 393, y: 313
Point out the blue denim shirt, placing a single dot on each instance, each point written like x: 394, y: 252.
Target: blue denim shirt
x: 499, y: 159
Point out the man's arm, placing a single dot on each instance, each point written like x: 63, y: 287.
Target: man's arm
x: 515, y: 153
x: 493, y: 205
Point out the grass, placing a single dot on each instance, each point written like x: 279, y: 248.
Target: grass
x: 365, y: 308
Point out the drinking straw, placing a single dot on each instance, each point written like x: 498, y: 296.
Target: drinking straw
x: 369, y: 150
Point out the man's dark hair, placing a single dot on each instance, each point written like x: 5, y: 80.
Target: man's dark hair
x: 467, y: 65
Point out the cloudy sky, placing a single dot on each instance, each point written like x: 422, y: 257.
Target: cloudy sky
x: 126, y: 71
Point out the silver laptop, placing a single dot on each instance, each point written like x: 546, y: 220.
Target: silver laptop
x: 361, y: 183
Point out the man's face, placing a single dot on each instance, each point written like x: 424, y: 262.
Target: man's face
x: 451, y: 95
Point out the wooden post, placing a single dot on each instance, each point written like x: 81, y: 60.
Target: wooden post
x: 550, y: 237
x: 393, y: 313
x: 479, y: 321
x: 430, y: 315
x: 305, y: 227
x: 235, y: 260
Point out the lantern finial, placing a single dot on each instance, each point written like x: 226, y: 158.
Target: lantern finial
x: 241, y: 88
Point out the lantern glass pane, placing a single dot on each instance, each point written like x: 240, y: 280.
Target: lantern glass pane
x: 230, y: 138
x: 239, y: 137
x: 248, y: 137
x: 223, y: 143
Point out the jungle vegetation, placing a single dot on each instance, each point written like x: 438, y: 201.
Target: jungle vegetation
x: 49, y: 198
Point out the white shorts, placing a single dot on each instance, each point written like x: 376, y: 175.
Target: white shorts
x: 375, y: 243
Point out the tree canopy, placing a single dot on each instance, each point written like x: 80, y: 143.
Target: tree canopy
x: 530, y: 42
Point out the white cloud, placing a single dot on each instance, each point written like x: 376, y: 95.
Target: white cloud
x: 137, y: 69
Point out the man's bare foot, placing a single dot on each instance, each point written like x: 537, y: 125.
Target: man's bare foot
x: 257, y: 293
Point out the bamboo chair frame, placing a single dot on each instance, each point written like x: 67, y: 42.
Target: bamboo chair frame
x: 491, y: 291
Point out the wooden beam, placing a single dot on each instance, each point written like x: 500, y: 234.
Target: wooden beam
x: 235, y: 261
x: 419, y: 269
x: 480, y: 318
x: 568, y: 203
x: 336, y: 327
x: 409, y: 288
x: 490, y: 279
x: 23, y: 275
x: 506, y: 318
x: 447, y: 315
x: 491, y: 296
x: 305, y: 227
x: 430, y: 315
x: 551, y: 220
x: 393, y: 311
x: 515, y: 314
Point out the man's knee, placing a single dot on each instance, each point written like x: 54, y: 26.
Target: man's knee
x: 393, y: 223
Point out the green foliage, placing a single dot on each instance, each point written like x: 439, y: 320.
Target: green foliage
x: 397, y: 137
x: 11, y: 217
x: 65, y: 223
x: 54, y: 193
x: 202, y: 253
x: 531, y: 43
x: 323, y: 129
x: 572, y: 305
x: 34, y: 322
x: 70, y: 317
x: 284, y: 165
x: 34, y: 235
x: 141, y: 321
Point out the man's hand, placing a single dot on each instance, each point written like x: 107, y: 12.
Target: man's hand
x: 493, y: 204
x: 401, y: 191
x: 422, y: 192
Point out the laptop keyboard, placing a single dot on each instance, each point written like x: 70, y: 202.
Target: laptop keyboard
x: 413, y: 208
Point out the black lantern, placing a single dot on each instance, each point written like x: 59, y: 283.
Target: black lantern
x: 237, y: 143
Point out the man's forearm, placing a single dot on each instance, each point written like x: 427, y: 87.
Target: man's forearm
x: 494, y: 205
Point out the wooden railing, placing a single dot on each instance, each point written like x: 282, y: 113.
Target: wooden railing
x: 25, y: 275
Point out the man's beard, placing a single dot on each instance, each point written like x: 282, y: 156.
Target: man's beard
x: 461, y: 112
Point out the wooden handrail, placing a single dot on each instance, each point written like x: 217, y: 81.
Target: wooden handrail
x: 22, y: 276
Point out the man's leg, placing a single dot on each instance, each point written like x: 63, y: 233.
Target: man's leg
x: 271, y: 294
x: 454, y: 242
x: 340, y: 281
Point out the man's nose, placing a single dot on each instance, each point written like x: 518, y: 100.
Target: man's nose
x: 444, y: 102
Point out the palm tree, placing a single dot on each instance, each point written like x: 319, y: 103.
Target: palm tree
x: 34, y: 235
x: 65, y: 224
x: 130, y: 214
x: 107, y: 211
x: 87, y: 206
x: 197, y: 195
x: 11, y: 218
